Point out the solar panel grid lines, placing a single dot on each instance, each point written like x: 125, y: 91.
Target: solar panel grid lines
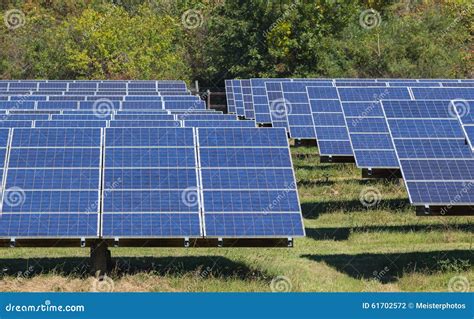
x: 229, y: 216
x: 329, y: 124
x: 46, y: 198
x: 247, y: 99
x: 144, y: 141
x: 462, y: 111
x: 238, y: 98
x: 435, y: 164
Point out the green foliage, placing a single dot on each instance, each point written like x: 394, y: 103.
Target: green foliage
x: 147, y: 39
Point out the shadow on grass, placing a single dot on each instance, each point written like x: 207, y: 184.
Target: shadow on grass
x: 312, y: 210
x: 343, y: 233
x: 388, y: 268
x: 79, y: 267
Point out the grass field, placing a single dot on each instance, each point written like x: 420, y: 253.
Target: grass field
x: 349, y: 247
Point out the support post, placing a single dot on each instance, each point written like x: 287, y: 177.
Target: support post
x: 101, y: 260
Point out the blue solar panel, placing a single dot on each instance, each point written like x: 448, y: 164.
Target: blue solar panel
x: 228, y: 137
x: 17, y: 105
x: 369, y: 135
x: 149, y: 157
x: 248, y: 185
x: 277, y: 104
x: 238, y: 98
x: 184, y: 105
x: 146, y: 117
x: 219, y: 123
x: 48, y: 225
x: 213, y: 117
x: 248, y: 99
x: 56, y: 175
x: 82, y: 117
x: 151, y: 168
x: 253, y: 225
x: 367, y: 94
x: 469, y: 133
x: 151, y: 225
x: 136, y: 137
x: 56, y: 138
x: 330, y: 126
x: 64, y: 105
x: 443, y: 93
x: 230, y: 96
x: 71, y: 123
x: 434, y: 160
x: 118, y: 123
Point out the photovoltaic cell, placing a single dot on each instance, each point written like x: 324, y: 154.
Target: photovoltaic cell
x: 433, y: 157
x: 249, y: 189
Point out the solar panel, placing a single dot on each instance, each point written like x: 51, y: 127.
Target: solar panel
x: 277, y: 104
x: 462, y: 111
x: 140, y: 123
x: 207, y: 123
x: 238, y: 98
x: 229, y: 93
x: 148, y: 171
x: 443, y: 93
x: 364, y: 94
x: 260, y: 99
x: 434, y: 160
x: 247, y: 99
x: 369, y: 135
x: 52, y: 184
x: 330, y: 127
x: 248, y: 185
x: 298, y: 109
x: 71, y: 123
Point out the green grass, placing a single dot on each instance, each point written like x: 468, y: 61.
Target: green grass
x: 349, y: 247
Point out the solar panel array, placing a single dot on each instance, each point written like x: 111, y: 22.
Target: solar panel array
x: 423, y: 127
x: 139, y: 159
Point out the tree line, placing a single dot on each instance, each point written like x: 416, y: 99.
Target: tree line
x: 213, y: 40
